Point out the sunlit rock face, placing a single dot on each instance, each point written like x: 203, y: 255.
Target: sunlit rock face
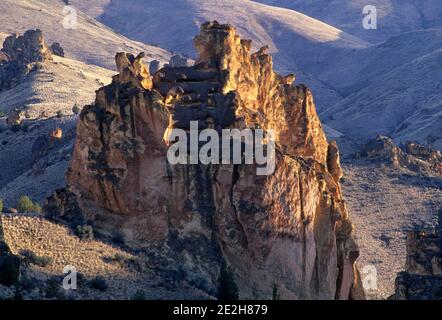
x: 290, y: 228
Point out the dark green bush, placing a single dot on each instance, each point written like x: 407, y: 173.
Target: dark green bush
x: 227, y: 287
x: 32, y: 258
x: 85, y: 232
x: 76, y: 109
x: 139, y: 295
x: 98, y: 283
x: 9, y: 270
x: 118, y: 238
x: 53, y: 289
x: 275, y: 293
x: 25, y: 205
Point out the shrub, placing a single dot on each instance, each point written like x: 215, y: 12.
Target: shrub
x: 85, y: 232
x: 1, y: 205
x: 227, y: 288
x: 98, y: 283
x: 30, y: 257
x: 27, y: 284
x: 275, y: 293
x: 9, y: 270
x: 76, y: 109
x: 37, y: 208
x: 139, y: 295
x: 53, y: 289
x: 118, y: 238
x: 25, y: 204
x: 60, y: 114
x: 24, y: 127
x: 15, y: 127
x: 18, y: 296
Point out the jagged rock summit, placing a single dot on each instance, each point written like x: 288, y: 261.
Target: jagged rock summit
x: 290, y: 229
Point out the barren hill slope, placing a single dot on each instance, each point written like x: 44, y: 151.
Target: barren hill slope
x: 91, y: 41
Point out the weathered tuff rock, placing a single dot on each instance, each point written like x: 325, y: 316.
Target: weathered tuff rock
x: 290, y: 229
x: 412, y: 156
x: 19, y: 54
x: 422, y: 278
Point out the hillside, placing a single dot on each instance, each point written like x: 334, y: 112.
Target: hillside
x: 91, y: 42
x: 404, y: 103
x: 385, y: 203
x: 55, y: 88
x: 126, y: 275
x: 355, y: 84
x: 394, y: 16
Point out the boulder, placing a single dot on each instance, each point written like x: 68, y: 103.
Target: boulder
x: 154, y: 66
x: 178, y: 60
x: 411, y: 156
x: 57, y: 49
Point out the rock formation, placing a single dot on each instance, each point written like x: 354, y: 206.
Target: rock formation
x: 15, y: 117
x: 290, y: 229
x: 154, y: 66
x: 178, y: 61
x: 412, y: 156
x: 422, y: 278
x: 20, y: 53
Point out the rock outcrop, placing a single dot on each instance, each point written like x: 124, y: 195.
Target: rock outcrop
x: 412, y: 156
x: 20, y: 53
x: 290, y: 228
x: 57, y: 49
x: 422, y: 278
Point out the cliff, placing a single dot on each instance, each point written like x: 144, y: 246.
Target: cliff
x: 289, y: 229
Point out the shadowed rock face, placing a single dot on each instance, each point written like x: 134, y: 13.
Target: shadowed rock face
x: 290, y: 229
x: 9, y: 263
x: 422, y: 278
